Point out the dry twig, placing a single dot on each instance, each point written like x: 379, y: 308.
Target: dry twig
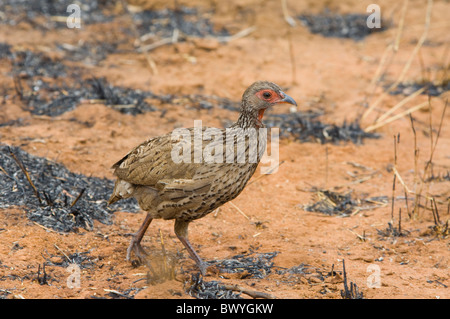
x: 22, y: 167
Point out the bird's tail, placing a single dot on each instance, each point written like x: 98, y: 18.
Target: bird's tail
x: 122, y: 189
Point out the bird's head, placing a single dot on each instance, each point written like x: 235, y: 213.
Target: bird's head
x: 261, y: 95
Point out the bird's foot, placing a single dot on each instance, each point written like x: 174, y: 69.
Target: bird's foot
x: 135, y: 246
x: 202, y: 266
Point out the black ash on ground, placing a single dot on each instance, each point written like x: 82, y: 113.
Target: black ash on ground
x: 351, y: 26
x: 63, y: 201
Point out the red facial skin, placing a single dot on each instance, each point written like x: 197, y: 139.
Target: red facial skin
x: 273, y: 98
x: 260, y: 114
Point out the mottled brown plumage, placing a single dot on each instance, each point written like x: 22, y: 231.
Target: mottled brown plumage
x: 191, y: 189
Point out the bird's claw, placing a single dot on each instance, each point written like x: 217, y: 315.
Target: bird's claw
x: 139, y: 252
x: 202, y: 266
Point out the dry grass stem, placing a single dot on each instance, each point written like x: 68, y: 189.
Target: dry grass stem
x: 400, y: 26
x: 360, y: 237
x: 416, y: 150
x: 400, y: 179
x: 78, y: 197
x: 419, y: 181
x: 171, y: 40
x: 396, y: 141
x: 62, y: 252
x: 163, y: 251
x: 148, y: 58
x: 24, y: 170
x: 239, y: 210
x: 286, y: 15
x: 400, y: 104
x: 396, y: 117
x: 433, y: 145
x: 292, y: 57
x: 416, y: 48
x: 376, y: 77
x: 241, y: 34
x: 407, y: 64
x: 389, y: 52
x: 48, y: 229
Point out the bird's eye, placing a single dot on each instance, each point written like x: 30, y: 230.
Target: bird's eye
x: 267, y: 95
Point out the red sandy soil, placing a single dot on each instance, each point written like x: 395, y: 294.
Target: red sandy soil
x: 334, y: 74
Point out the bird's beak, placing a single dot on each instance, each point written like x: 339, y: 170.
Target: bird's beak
x: 287, y: 99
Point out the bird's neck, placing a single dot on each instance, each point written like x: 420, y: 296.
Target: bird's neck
x: 248, y: 120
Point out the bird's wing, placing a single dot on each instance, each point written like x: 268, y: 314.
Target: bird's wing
x: 157, y: 162
x: 177, y: 189
x: 150, y: 162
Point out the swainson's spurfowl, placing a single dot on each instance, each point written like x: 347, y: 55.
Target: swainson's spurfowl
x: 189, y: 188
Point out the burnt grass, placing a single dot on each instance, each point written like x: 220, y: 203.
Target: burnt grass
x: 28, y: 64
x: 82, y: 259
x: 255, y: 265
x: 160, y: 23
x: 333, y: 203
x: 54, y: 99
x: 89, y: 52
x: 391, y: 232
x: 350, y: 26
x: 340, y: 204
x: 247, y: 263
x: 49, y: 86
x: 189, y: 21
x: 306, y: 128
x: 351, y: 292
x: 62, y: 200
x: 19, y: 11
x: 46, y: 87
x: 251, y: 265
x: 431, y: 89
x: 201, y: 289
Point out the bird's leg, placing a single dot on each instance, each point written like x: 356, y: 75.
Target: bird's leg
x: 135, y: 244
x: 181, y: 230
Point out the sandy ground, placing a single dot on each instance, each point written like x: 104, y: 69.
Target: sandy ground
x: 332, y: 73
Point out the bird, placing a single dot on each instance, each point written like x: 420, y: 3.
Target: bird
x: 188, y: 189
